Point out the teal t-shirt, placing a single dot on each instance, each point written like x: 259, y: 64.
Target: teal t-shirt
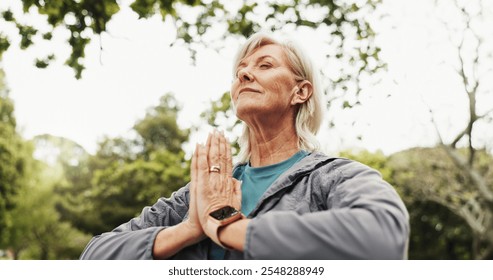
x: 255, y: 181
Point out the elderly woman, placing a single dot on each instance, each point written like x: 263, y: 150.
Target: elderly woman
x: 284, y: 200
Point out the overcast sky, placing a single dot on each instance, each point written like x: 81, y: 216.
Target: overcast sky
x: 137, y: 66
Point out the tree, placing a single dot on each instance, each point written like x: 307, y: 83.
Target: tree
x: 112, y: 186
x: 30, y: 227
x: 470, y: 196
x: 37, y: 231
x: 14, y: 159
x: 121, y: 191
x: 145, y: 169
x: 153, y: 167
x: 436, y: 232
x: 431, y: 188
x: 220, y: 114
x: 351, y: 50
x: 159, y: 130
x: 67, y: 164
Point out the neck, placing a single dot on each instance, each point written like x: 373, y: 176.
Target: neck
x: 272, y: 146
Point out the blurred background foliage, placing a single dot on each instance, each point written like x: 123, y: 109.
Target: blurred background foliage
x: 54, y: 196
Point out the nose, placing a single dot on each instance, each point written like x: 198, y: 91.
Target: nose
x: 244, y: 75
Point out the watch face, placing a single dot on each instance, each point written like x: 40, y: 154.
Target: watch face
x: 224, y: 213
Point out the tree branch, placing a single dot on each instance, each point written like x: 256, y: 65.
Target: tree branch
x: 485, y: 114
x: 435, y: 125
x: 458, y: 138
x: 477, y: 179
x: 471, y: 220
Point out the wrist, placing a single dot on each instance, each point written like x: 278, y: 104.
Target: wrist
x: 173, y: 239
x: 234, y: 234
x: 192, y: 233
x: 218, y: 219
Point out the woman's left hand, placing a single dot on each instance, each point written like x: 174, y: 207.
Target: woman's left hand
x: 215, y: 189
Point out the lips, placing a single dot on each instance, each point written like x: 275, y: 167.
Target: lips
x: 248, y: 90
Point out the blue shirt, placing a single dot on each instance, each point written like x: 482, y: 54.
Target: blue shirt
x: 255, y: 181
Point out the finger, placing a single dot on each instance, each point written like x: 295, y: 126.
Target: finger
x: 194, y: 164
x: 208, y: 142
x: 193, y: 186
x: 229, y: 160
x: 222, y: 154
x: 213, y: 152
x: 202, y: 165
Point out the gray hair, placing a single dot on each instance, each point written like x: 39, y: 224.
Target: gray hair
x: 310, y: 114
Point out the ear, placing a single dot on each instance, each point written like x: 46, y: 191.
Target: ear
x: 303, y: 92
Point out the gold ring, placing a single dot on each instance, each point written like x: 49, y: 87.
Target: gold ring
x: 215, y: 168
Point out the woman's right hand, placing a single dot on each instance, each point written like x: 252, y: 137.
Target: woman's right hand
x: 173, y: 239
x: 193, y: 223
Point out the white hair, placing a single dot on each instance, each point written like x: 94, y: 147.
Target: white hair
x: 310, y: 113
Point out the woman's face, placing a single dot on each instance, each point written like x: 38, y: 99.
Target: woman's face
x: 264, y: 85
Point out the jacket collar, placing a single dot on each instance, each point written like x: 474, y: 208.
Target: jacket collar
x: 305, y: 166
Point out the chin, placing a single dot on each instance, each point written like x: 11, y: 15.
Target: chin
x: 244, y: 110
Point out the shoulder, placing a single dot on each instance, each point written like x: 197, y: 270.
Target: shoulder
x: 349, y: 182
x: 343, y: 175
x: 336, y: 167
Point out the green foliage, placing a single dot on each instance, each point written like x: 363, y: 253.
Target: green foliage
x: 37, y: 231
x: 27, y: 32
x: 68, y: 172
x: 427, y: 174
x: 220, y: 109
x: 376, y: 160
x: 43, y: 63
x: 4, y: 44
x: 221, y: 114
x: 30, y: 226
x: 121, y: 191
x: 81, y: 18
x: 132, y: 174
x: 101, y: 191
x: 436, y: 231
x: 418, y: 169
x: 159, y: 130
x: 343, y: 21
x: 14, y: 156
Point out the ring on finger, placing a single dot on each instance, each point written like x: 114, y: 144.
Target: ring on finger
x: 215, y: 168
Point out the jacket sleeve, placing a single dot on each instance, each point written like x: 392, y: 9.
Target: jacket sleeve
x: 134, y: 240
x: 366, y: 220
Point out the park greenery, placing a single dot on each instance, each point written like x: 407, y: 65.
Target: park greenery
x: 54, y: 196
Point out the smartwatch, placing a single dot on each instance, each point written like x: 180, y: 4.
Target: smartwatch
x: 219, y: 218
x: 224, y: 213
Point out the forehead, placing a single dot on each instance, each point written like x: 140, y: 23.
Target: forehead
x: 271, y: 50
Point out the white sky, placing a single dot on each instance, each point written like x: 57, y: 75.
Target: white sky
x: 137, y: 66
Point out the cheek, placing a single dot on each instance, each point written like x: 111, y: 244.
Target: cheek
x: 282, y: 86
x: 233, y: 92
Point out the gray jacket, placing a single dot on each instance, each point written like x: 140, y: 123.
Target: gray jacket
x: 321, y: 208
